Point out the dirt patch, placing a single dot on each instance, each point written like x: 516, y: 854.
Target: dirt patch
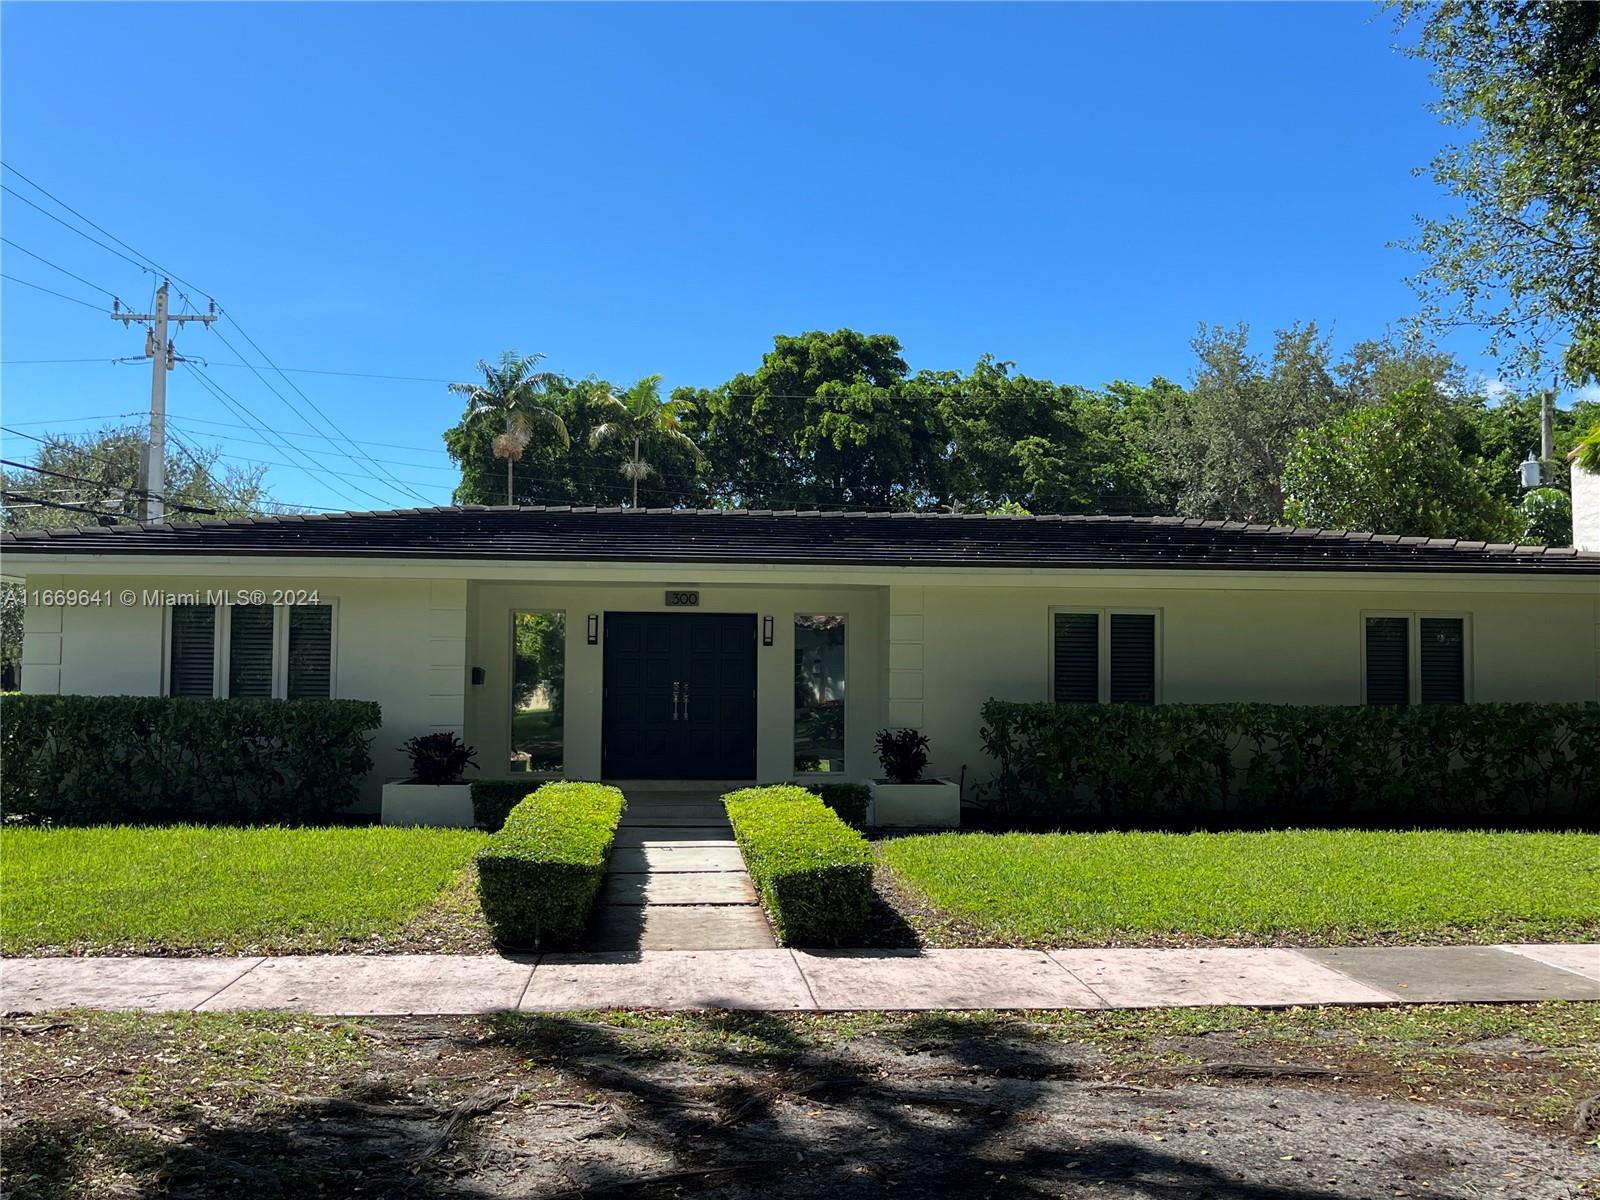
x: 753, y: 1105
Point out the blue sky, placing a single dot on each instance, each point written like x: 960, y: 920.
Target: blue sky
x: 642, y: 189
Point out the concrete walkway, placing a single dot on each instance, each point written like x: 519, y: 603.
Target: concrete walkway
x: 799, y: 980
x: 676, y: 881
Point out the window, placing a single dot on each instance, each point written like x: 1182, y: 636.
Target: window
x: 251, y: 633
x: 310, y: 652
x: 1097, y: 655
x: 193, y: 664
x: 1412, y: 658
x: 538, y: 690
x: 819, y: 666
x: 251, y: 651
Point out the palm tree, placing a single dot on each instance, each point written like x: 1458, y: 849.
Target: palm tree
x: 641, y: 413
x: 513, y: 389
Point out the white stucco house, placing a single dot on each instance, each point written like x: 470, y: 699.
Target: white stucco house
x: 737, y: 646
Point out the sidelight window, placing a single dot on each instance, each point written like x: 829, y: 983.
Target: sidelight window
x: 538, y: 690
x: 819, y: 682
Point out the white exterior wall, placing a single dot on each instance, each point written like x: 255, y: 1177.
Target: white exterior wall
x: 400, y: 642
x: 490, y: 702
x: 1585, y: 508
x: 1287, y: 645
x: 924, y: 648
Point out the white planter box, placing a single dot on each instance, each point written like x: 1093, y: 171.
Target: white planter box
x: 932, y: 802
x: 407, y: 803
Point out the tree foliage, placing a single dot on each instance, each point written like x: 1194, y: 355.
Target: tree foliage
x: 642, y: 419
x: 1393, y: 467
x: 1518, y: 254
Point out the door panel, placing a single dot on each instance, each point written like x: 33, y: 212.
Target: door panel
x: 679, y: 696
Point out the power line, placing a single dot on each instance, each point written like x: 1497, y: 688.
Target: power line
x: 19, y: 362
x: 319, y: 470
x: 257, y: 442
x: 58, y: 266
x: 52, y: 292
x: 392, y: 482
x: 12, y: 499
x: 101, y: 229
x: 65, y: 442
x: 69, y: 225
x: 314, y: 406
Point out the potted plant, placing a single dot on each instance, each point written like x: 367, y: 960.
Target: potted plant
x: 435, y: 793
x: 903, y: 797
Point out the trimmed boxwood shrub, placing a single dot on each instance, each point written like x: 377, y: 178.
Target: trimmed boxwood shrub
x: 1257, y: 766
x: 493, y: 800
x: 849, y: 800
x: 538, y: 876
x: 814, y: 872
x: 93, y: 760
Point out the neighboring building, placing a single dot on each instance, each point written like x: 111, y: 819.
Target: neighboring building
x: 754, y: 645
x: 1585, y: 506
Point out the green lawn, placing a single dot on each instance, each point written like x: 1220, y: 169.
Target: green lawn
x: 1299, y: 886
x: 184, y: 887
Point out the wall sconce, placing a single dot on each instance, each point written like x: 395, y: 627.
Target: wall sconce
x: 594, y: 629
x: 766, y: 631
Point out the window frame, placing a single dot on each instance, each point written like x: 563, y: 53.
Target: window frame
x: 1413, y: 618
x: 222, y: 648
x: 794, y: 722
x: 1103, y: 648
x: 509, y: 698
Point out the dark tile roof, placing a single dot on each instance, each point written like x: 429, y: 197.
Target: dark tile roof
x: 800, y: 538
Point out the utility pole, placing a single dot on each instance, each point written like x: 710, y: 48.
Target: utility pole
x: 1547, y: 426
x: 158, y: 347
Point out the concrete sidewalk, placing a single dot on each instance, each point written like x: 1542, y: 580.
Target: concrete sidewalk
x: 806, y: 980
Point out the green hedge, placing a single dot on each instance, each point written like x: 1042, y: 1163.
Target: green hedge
x: 493, y: 800
x: 814, y: 872
x: 93, y: 760
x: 1256, y: 766
x: 538, y: 876
x: 849, y: 800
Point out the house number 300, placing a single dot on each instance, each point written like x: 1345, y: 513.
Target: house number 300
x: 683, y: 599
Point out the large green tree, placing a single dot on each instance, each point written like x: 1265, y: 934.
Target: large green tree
x: 1226, y: 441
x: 1518, y: 253
x: 828, y: 419
x: 1393, y: 467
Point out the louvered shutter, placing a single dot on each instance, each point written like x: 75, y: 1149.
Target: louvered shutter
x: 1388, y: 661
x: 250, y: 652
x: 1133, y: 658
x: 1444, y: 676
x: 194, y: 651
x: 310, y: 652
x: 1077, y: 658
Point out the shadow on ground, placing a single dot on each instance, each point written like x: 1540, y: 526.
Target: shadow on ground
x: 747, y: 1105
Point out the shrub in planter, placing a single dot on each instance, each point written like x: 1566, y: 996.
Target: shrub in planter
x: 91, y: 760
x: 538, y: 876
x: 903, y: 753
x: 439, y: 758
x: 814, y: 872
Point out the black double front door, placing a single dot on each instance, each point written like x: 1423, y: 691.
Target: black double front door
x: 680, y: 696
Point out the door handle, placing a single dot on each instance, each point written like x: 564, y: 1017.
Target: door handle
x: 686, y: 702
x: 675, y: 701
